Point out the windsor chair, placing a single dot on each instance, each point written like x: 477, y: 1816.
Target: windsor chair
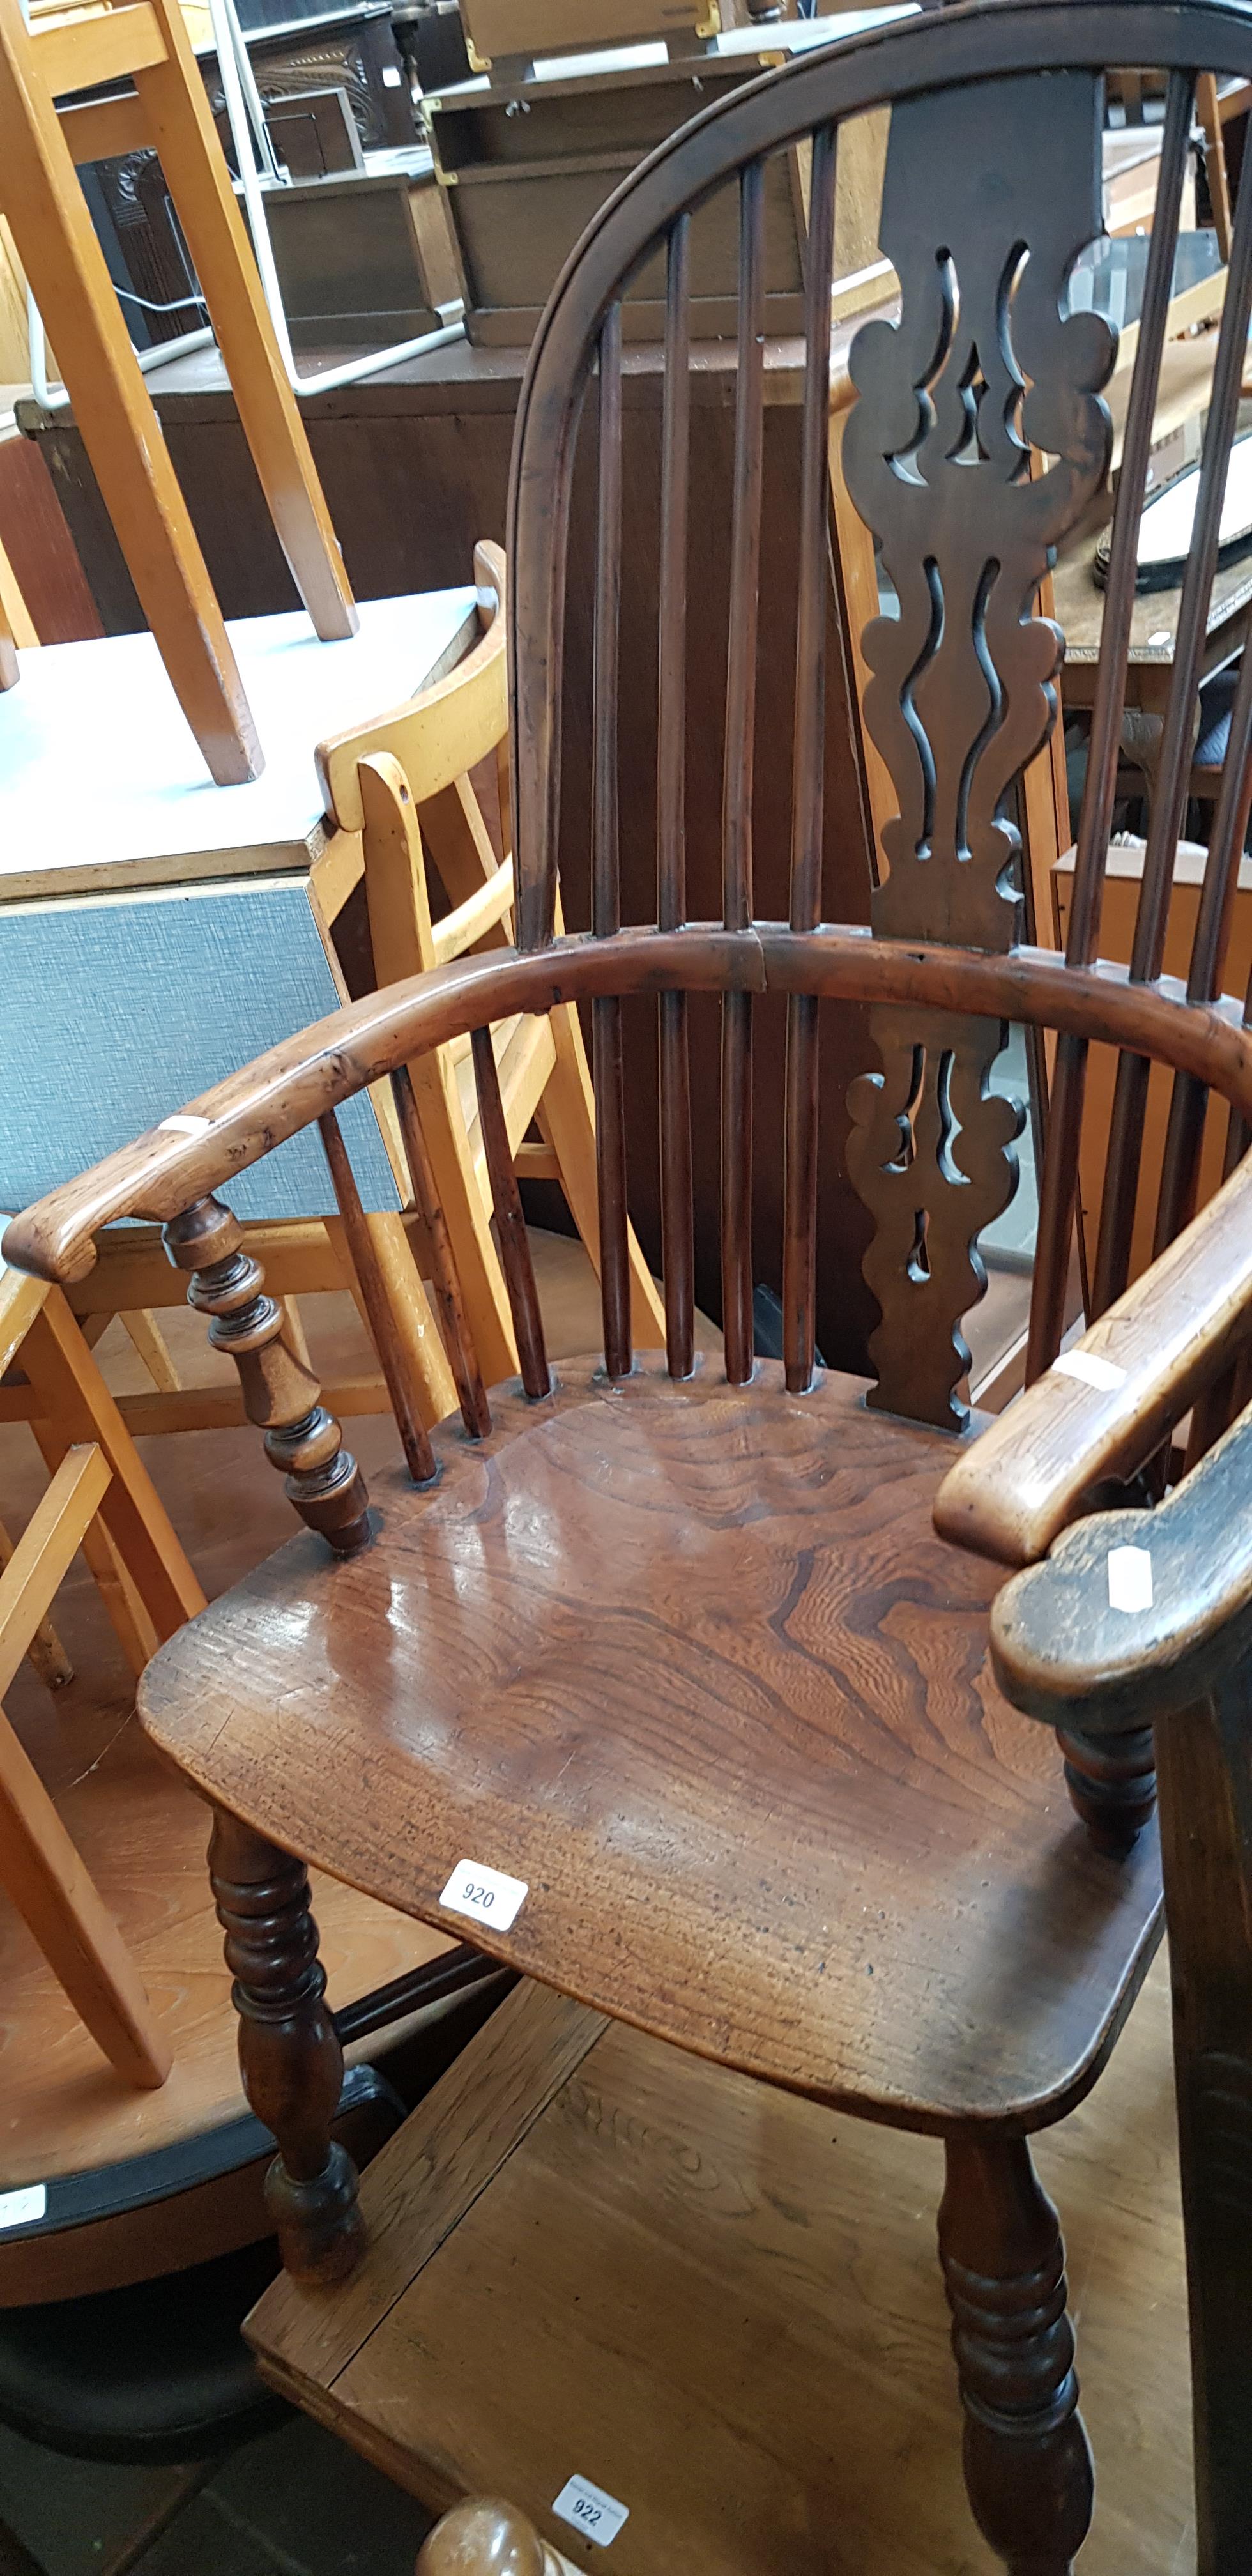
x: 696, y: 1690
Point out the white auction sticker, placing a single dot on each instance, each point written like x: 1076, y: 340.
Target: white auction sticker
x: 1130, y: 1578
x: 1089, y: 1369
x: 22, y: 2208
x: 184, y: 1125
x: 488, y: 1894
x: 589, y: 2509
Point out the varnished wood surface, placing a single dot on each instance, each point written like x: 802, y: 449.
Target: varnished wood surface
x: 246, y: 1116
x: 723, y: 2305
x: 1155, y: 1349
x: 652, y: 1618
x: 141, y: 1830
x: 143, y: 1833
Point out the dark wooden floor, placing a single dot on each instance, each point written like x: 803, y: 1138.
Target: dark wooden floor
x: 296, y: 2504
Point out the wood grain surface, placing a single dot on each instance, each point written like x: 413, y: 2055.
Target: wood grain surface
x: 651, y: 1619
x: 723, y: 2305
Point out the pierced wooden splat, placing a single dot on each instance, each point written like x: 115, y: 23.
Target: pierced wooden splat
x: 930, y: 1153
x: 982, y: 367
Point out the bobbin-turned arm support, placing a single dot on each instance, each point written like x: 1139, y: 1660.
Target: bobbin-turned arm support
x: 1105, y: 1406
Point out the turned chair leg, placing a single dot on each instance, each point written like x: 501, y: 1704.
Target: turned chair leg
x: 1027, y: 2461
x: 289, y: 2052
x: 1111, y: 1781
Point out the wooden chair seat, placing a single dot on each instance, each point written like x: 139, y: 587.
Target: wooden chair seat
x: 623, y: 1597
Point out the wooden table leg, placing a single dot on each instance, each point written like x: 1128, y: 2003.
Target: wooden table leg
x: 178, y: 119
x: 53, y: 235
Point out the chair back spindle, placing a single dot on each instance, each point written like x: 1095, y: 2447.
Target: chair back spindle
x: 677, y: 1209
x: 606, y: 907
x: 737, y: 774
x: 799, y: 1259
x: 1059, y: 1178
x: 1112, y: 1267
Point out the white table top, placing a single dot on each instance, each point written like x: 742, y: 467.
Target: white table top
x: 101, y: 782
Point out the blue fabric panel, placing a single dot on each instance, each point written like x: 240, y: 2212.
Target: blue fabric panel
x: 115, y: 1010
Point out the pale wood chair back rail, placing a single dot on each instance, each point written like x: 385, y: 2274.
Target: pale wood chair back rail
x: 404, y: 783
x: 643, y: 1484
x: 100, y: 1499
x: 47, y: 213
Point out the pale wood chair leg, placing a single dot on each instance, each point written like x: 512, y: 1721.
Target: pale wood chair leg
x: 9, y: 673
x: 127, y: 1616
x: 467, y: 1210
x: 423, y: 1356
x: 77, y: 1405
x: 53, y: 233
x: 16, y: 621
x: 486, y: 2538
x: 39, y: 1866
x: 400, y: 926
x: 45, y: 1653
x: 567, y: 1122
x: 153, y: 1349
x: 294, y: 1334
x: 178, y: 120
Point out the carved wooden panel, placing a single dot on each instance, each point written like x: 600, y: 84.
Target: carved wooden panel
x: 930, y: 1152
x: 990, y: 194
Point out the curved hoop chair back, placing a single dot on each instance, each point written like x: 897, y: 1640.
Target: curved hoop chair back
x: 978, y: 438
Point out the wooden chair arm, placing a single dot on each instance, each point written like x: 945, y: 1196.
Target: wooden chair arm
x: 199, y: 1149
x: 1106, y: 1404
x: 1069, y: 1643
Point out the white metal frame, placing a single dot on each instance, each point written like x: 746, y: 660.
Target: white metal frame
x: 258, y: 162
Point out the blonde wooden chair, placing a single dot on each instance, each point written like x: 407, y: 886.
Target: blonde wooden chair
x: 102, y: 1500
x: 147, y: 43
x: 406, y: 786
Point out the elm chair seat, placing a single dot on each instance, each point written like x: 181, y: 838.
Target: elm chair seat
x: 692, y: 1662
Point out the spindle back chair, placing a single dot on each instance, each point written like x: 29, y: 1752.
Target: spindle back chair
x: 691, y: 1687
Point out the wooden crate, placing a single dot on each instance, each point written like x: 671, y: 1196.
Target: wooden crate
x: 524, y: 28
x: 528, y: 165
x: 591, y: 2255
